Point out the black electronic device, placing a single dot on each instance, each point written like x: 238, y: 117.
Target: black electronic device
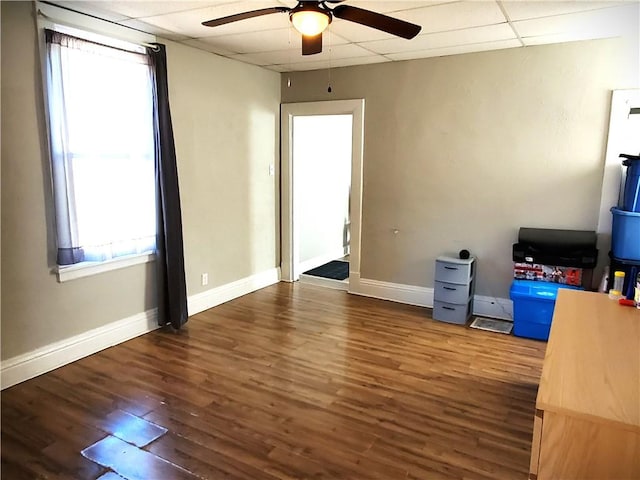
x: 566, y: 248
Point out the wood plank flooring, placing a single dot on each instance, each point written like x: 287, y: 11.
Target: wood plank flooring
x: 291, y: 382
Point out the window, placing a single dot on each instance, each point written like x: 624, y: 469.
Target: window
x: 101, y: 121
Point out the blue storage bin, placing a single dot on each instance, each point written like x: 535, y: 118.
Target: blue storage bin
x: 625, y: 235
x: 533, y: 304
x: 631, y: 192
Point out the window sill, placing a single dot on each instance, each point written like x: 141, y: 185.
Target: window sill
x: 87, y: 269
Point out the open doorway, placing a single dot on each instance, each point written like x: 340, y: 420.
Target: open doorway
x: 321, y: 191
x: 321, y: 196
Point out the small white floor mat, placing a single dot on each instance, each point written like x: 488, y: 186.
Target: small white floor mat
x: 492, y: 325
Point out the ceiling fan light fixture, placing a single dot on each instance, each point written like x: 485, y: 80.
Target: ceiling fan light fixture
x: 311, y: 18
x: 310, y: 21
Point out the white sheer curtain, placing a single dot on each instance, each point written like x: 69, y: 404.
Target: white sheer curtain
x: 102, y: 148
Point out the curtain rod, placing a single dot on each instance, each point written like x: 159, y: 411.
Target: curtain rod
x: 153, y: 47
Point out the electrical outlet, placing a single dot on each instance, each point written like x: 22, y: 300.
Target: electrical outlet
x: 272, y: 170
x: 205, y: 279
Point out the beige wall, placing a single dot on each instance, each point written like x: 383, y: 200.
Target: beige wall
x: 460, y: 151
x: 226, y: 118
x: 226, y: 130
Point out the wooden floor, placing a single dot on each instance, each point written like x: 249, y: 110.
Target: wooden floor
x: 290, y: 382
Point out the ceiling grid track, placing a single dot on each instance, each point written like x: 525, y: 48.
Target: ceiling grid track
x: 508, y: 18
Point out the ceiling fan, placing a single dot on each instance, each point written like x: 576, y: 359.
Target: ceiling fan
x: 311, y: 17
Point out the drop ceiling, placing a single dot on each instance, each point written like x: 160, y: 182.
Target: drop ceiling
x: 448, y: 28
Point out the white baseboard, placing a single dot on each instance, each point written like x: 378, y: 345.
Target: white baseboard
x: 219, y: 295
x: 423, y: 296
x: 42, y: 360
x: 396, y: 292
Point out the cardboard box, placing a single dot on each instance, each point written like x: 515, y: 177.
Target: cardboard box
x: 548, y: 273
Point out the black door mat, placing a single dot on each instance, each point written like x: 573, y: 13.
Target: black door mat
x: 336, y: 270
x: 492, y: 325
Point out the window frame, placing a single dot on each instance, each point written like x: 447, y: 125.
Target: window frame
x: 74, y: 23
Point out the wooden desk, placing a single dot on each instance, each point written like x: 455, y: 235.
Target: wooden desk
x: 587, y: 422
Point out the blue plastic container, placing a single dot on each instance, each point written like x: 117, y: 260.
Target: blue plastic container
x: 625, y: 235
x: 533, y: 304
x: 631, y: 192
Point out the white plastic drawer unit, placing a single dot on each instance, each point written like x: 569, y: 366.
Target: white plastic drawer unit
x: 452, y: 292
x: 452, y: 313
x: 454, y: 270
x: 454, y: 287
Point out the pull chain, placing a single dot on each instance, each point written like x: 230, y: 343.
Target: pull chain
x: 289, y: 51
x: 329, y: 90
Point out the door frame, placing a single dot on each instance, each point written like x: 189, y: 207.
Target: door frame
x: 290, y: 248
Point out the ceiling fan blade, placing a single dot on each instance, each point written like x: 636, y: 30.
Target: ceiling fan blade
x: 243, y: 16
x: 391, y: 25
x: 311, y: 44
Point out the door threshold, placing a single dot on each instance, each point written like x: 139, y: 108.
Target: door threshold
x: 325, y: 282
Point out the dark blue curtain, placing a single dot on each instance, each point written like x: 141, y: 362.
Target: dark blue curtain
x: 172, y: 290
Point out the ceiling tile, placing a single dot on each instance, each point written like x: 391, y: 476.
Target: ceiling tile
x: 147, y: 8
x: 522, y: 10
x: 356, y: 32
x: 345, y: 62
x: 325, y: 64
x: 267, y: 41
x: 441, y: 52
x: 262, y: 41
x: 152, y: 29
x: 432, y: 16
x: 317, y: 65
x: 261, y: 59
x: 97, y: 9
x: 190, y: 22
x: 277, y: 68
x: 217, y: 49
x: 454, y: 16
x: 443, y: 39
x: 394, y: 6
x: 382, y: 6
x: 603, y: 23
x: 285, y: 57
